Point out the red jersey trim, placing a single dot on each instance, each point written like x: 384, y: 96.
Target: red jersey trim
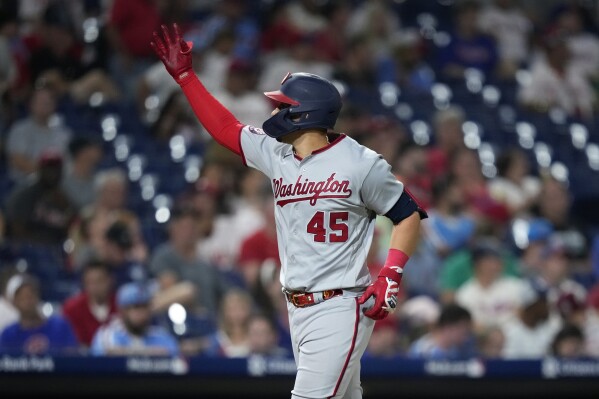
x: 323, y: 149
x: 241, y: 154
x: 351, y: 350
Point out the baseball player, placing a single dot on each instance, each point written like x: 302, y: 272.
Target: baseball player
x: 328, y: 190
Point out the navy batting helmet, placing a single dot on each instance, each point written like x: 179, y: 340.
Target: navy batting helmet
x: 309, y: 102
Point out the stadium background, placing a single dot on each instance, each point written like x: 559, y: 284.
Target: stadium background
x: 460, y: 98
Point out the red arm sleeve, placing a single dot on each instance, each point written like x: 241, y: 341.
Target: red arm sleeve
x: 216, y: 119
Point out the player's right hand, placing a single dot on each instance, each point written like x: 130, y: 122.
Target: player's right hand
x: 385, y: 292
x: 174, y: 54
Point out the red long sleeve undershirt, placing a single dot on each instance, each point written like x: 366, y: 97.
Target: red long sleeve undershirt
x: 220, y: 123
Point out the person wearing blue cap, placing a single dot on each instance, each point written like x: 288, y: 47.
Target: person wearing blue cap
x: 35, y: 333
x: 533, y: 241
x: 132, y: 332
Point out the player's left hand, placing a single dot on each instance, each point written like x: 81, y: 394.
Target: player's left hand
x: 385, y: 292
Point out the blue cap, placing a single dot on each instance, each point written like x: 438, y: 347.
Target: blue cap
x: 539, y: 229
x: 132, y: 294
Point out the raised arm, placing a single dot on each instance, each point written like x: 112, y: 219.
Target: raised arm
x: 216, y: 119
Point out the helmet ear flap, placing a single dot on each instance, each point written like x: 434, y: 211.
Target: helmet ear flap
x: 279, y: 124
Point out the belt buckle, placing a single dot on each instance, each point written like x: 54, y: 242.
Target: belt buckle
x: 295, y: 299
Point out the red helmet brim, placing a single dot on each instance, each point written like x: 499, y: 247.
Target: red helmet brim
x: 278, y: 96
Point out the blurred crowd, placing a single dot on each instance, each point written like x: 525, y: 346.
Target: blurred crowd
x: 124, y: 229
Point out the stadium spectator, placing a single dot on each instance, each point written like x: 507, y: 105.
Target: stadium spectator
x: 491, y: 297
x: 177, y: 261
x: 132, y: 331
x: 358, y: 70
x: 231, y: 339
x: 591, y: 323
x: 260, y: 250
x: 117, y: 253
x: 466, y: 169
x: 376, y: 20
x: 405, y: 65
x: 533, y: 243
x: 219, y: 54
x: 129, y: 35
x: 78, y: 176
x: 304, y: 16
x: 175, y: 119
x: 234, y: 15
x: 583, y: 45
x: 515, y: 186
x: 11, y: 75
x: 448, y: 337
x: 276, y: 309
x: 529, y: 335
x: 572, y: 309
x: 57, y: 58
x: 490, y: 342
x: 330, y: 42
x: 448, y: 230
x: 458, y: 267
x: 554, y: 278
x: 468, y: 48
x: 94, y: 305
x: 8, y: 313
x: 239, y: 93
x: 554, y: 83
x: 417, y: 316
x: 511, y: 27
x: 34, y: 333
x: 111, y: 190
x: 385, y: 340
x: 555, y: 202
x: 263, y: 338
x: 39, y: 211
x: 448, y: 139
x: 568, y: 343
x: 28, y: 138
x: 388, y: 137
x: 411, y: 168
x: 300, y: 55
x: 236, y: 221
x: 8, y: 65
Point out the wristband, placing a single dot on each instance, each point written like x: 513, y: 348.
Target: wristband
x: 396, y: 257
x: 393, y: 269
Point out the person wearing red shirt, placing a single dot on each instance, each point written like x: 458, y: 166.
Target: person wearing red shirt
x: 259, y: 259
x: 260, y: 248
x: 133, y: 31
x: 127, y: 33
x: 94, y: 305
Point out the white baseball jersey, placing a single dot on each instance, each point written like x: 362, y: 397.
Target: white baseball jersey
x: 325, y: 207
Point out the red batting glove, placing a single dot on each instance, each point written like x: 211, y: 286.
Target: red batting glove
x: 386, y: 286
x: 174, y: 54
x: 385, y: 293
